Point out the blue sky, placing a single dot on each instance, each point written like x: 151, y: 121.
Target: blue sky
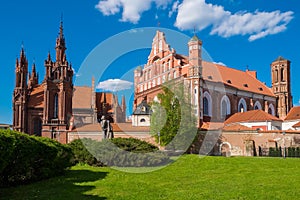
x: 238, y: 33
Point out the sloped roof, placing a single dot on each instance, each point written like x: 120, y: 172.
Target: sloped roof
x: 142, y: 109
x: 293, y: 114
x: 297, y: 125
x: 119, y: 127
x: 82, y: 97
x: 234, y: 78
x: 195, y: 38
x: 105, y: 97
x: 280, y: 58
x: 251, y: 116
x: 212, y: 125
x: 237, y: 127
x: 36, y: 98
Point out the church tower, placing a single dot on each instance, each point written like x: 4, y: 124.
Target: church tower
x: 20, y: 99
x: 281, y: 85
x: 195, y: 76
x: 58, y: 91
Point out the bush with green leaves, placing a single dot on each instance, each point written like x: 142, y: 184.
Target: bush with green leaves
x: 125, y: 154
x: 81, y: 154
x: 25, y: 158
x: 134, y: 145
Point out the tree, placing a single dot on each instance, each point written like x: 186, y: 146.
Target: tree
x: 173, y: 118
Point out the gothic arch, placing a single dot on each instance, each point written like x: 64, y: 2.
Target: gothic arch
x: 257, y: 106
x: 271, y: 109
x: 207, y: 104
x: 242, y: 104
x: 225, y: 106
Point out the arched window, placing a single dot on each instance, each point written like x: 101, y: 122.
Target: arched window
x: 164, y: 67
x: 142, y: 120
x: 149, y: 74
x: 225, y: 106
x: 55, y: 114
x: 242, y: 106
x: 174, y: 75
x: 271, y: 110
x: 207, y: 104
x: 276, y: 75
x: 257, y: 106
x: 282, y: 74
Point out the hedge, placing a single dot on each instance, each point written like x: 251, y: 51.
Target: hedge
x: 109, y: 154
x: 134, y: 145
x: 25, y: 158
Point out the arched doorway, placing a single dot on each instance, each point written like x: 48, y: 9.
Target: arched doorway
x: 37, y: 126
x: 225, y: 149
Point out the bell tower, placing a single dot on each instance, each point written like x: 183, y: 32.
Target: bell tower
x: 281, y: 86
x: 20, y: 96
x: 58, y: 91
x: 195, y: 76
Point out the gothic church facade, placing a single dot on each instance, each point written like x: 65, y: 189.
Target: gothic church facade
x: 44, y: 109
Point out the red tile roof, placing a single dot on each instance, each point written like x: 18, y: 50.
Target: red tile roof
x: 36, y: 98
x: 242, y: 80
x: 120, y: 127
x: 293, y: 114
x: 82, y: 97
x: 237, y: 127
x: 235, y: 78
x: 212, y: 125
x: 251, y: 116
x: 296, y: 125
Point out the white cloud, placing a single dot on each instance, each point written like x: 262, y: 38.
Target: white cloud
x: 174, y: 8
x: 131, y: 9
x: 114, y: 85
x: 201, y: 15
x: 220, y: 63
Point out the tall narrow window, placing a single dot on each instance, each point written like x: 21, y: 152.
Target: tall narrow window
x: 276, y: 75
x: 242, y: 106
x: 205, y: 106
x: 225, y: 106
x: 55, y: 115
x: 224, y: 109
x: 282, y: 74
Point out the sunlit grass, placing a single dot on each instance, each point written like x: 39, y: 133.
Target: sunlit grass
x: 190, y: 177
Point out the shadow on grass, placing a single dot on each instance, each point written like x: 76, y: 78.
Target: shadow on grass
x: 73, y: 185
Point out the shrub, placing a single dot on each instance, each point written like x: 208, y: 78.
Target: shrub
x: 134, y: 145
x: 27, y: 158
x: 81, y: 154
x: 107, y: 153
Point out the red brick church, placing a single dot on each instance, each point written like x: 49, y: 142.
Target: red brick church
x: 44, y: 109
x: 55, y: 106
x: 216, y: 91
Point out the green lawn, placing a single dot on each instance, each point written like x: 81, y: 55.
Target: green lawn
x: 190, y: 177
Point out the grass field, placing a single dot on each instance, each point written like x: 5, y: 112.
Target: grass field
x: 190, y: 177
